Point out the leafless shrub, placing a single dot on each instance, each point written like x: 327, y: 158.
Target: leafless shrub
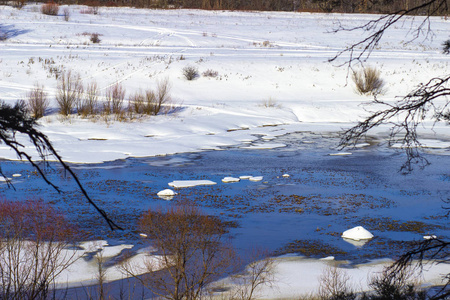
x: 37, y: 101
x: 69, y: 89
x: 210, y: 73
x: 136, y: 103
x: 95, y: 38
x: 89, y: 101
x: 50, y: 8
x: 258, y: 273
x: 334, y: 284
x: 270, y: 103
x: 33, y: 238
x: 3, y: 35
x: 190, y: 72
x: 398, y: 285
x: 446, y: 47
x: 66, y: 14
x: 115, y: 95
x: 163, y: 95
x: 150, y: 102
x: 92, y: 8
x: 193, y: 251
x: 368, y: 81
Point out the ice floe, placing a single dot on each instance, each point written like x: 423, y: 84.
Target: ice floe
x: 190, y: 183
x: 357, y: 233
x: 230, y: 179
x: 166, y: 194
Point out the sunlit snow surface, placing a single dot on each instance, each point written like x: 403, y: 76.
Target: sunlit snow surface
x: 140, y: 47
x: 272, y: 70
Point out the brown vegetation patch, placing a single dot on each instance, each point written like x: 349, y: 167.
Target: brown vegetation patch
x: 310, y: 248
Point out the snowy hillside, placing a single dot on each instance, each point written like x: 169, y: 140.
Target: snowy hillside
x: 272, y: 69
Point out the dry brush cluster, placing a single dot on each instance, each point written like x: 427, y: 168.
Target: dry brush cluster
x: 87, y: 101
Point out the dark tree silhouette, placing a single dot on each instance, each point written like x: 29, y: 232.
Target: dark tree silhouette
x: 405, y: 116
x: 15, y: 121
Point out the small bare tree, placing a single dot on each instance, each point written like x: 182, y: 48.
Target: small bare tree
x: 37, y: 101
x: 89, y: 102
x: 69, y: 92
x: 115, y: 95
x: 256, y: 274
x: 334, y: 284
x: 163, y: 95
x: 33, y: 239
x: 150, y: 102
x: 194, y: 252
x: 136, y: 103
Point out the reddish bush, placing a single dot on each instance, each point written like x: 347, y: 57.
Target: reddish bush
x: 33, y: 239
x: 50, y: 8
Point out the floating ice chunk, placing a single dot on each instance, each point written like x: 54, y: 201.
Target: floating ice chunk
x: 189, y: 183
x: 340, y: 154
x: 357, y: 233
x: 256, y: 178
x: 286, y: 175
x: 230, y: 179
x: 434, y: 144
x: 143, y: 235
x: 362, y: 145
x: 356, y: 243
x: 245, y: 177
x: 16, y: 175
x: 264, y: 146
x: 328, y: 258
x: 166, y: 194
x: 430, y: 237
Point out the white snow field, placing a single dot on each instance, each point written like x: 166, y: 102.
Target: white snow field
x: 272, y: 69
x: 273, y: 78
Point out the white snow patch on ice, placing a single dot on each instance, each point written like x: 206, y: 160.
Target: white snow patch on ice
x: 264, y: 146
x: 340, y: 154
x: 357, y: 233
x: 256, y: 178
x: 190, y: 183
x: 166, y: 194
x: 230, y: 179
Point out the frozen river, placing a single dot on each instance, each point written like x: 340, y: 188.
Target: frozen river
x: 304, y: 213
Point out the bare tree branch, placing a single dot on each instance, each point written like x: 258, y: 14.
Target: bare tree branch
x: 434, y: 250
x: 405, y: 116
x: 361, y: 51
x: 14, y: 120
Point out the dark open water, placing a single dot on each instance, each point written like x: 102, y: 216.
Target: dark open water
x: 304, y: 213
